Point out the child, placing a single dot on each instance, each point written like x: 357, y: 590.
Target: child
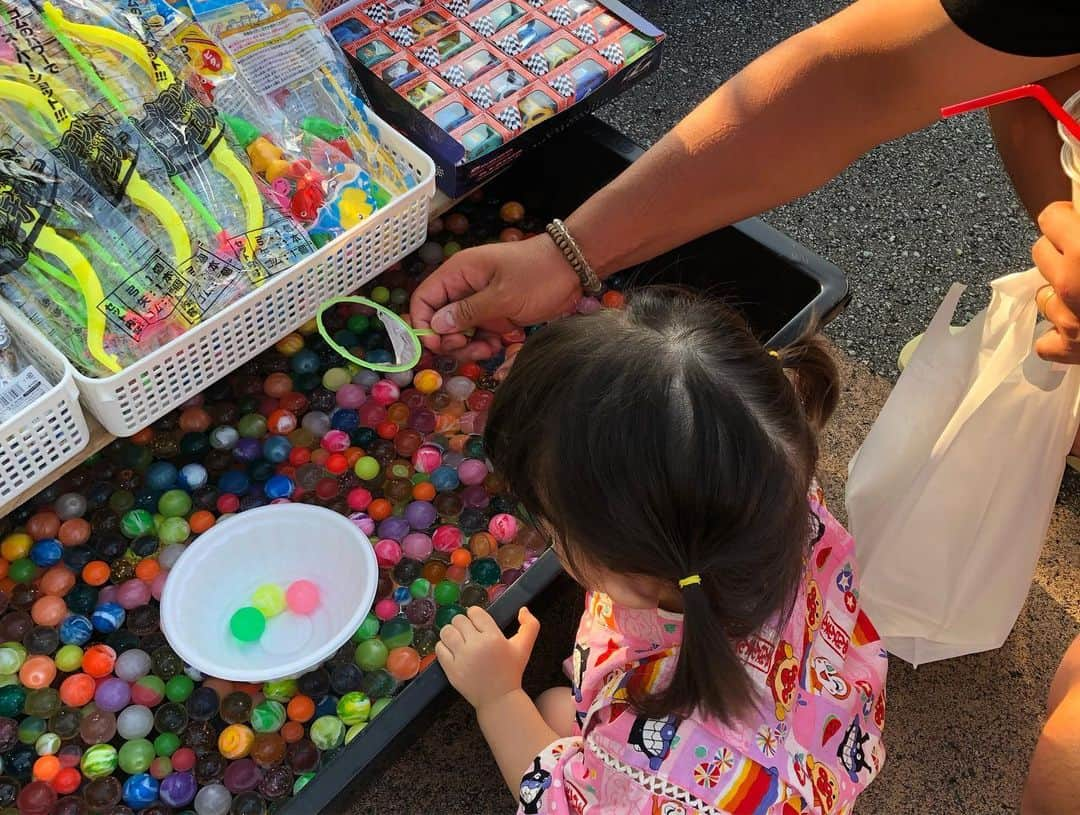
x: 723, y: 664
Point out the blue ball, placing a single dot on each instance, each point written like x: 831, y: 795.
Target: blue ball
x: 345, y: 419
x: 379, y: 356
x: 278, y: 486
x: 445, y: 479
x: 76, y: 630
x: 402, y: 595
x: 161, y: 476
x: 46, y: 552
x: 276, y: 449
x: 193, y: 476
x: 304, y: 361
x: 327, y: 707
x: 148, y: 500
x: 108, y: 617
x: 234, y: 481
x: 140, y: 791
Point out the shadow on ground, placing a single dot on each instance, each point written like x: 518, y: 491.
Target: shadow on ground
x: 959, y: 733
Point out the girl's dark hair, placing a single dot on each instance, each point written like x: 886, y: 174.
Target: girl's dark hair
x: 663, y: 440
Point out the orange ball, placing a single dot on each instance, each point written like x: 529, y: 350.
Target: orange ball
x: 99, y: 659
x: 301, y: 708
x: 201, y: 520
x: 380, y: 509
x: 147, y: 569
x: 426, y: 661
x: 398, y: 413
x: 292, y: 732
x: 143, y: 437
x: 236, y: 741
x: 43, y: 525
x: 46, y: 768
x: 195, y: 420
x: 423, y: 491
x: 455, y: 573
x: 6, y: 583
x: 67, y: 780
x: 58, y: 581
x: 96, y: 573
x: 319, y: 456
x: 482, y: 544
x: 278, y: 384
x: 613, y: 299
x: 74, y: 532
x: 512, y: 212
x: 4, y: 566
x: 461, y: 557
x: 49, y: 610
x: 37, y: 672
x: 403, y: 663
x: 77, y: 690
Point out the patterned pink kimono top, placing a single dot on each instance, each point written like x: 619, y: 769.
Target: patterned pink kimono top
x: 812, y: 745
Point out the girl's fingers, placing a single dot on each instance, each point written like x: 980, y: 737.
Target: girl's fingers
x: 443, y: 654
x: 451, y: 637
x: 463, y: 624
x: 483, y: 621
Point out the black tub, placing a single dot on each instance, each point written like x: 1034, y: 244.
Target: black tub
x: 784, y: 289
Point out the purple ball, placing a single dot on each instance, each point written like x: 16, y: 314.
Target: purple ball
x: 394, y: 528
x: 108, y: 594
x: 247, y: 449
x: 475, y: 496
x: 421, y: 611
x: 178, y: 789
x: 112, y: 695
x: 133, y: 593
x: 420, y: 514
x: 363, y: 522
x: 242, y: 775
x: 422, y: 421
x: 417, y: 545
x: 350, y: 396
x: 472, y: 471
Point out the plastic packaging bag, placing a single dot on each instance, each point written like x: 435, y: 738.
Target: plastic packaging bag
x: 950, y: 496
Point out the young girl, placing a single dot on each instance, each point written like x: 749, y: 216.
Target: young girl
x: 723, y: 664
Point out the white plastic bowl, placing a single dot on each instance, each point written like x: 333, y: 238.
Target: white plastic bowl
x: 275, y: 544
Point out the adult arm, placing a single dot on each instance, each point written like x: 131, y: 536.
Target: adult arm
x: 784, y: 125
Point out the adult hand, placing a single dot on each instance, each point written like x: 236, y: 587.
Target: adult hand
x: 493, y: 288
x: 1057, y: 254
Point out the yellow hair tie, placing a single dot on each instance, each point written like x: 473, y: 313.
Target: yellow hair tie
x: 690, y: 580
x: 774, y: 354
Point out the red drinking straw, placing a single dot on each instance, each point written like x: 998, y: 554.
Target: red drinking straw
x: 1036, y: 92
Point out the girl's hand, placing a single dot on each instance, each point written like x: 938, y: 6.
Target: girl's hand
x: 1057, y: 254
x: 479, y: 660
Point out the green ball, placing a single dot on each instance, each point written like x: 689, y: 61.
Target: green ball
x: 381, y: 295
x: 268, y: 716
x: 174, y: 530
x: 378, y: 684
x: 247, y: 624
x: 368, y: 628
x: 334, y: 378
x: 166, y: 744
x: 447, y: 592
x: 379, y: 705
x: 269, y: 599
x: 121, y: 501
x: 446, y: 614
x: 354, y: 731
x: 366, y: 468
x: 301, y: 782
x: 99, y: 761
x: 421, y: 587
x: 179, y: 688
x: 22, y: 570
x: 31, y: 729
x: 358, y: 324
x: 12, y: 699
x: 174, y: 504
x: 371, y: 655
x: 485, y: 571
x: 69, y: 658
x: 136, y: 522
x: 354, y: 707
x: 136, y: 756
x: 451, y: 248
x: 48, y: 744
x: 252, y: 426
x: 280, y: 690
x: 395, y: 633
x: 12, y: 656
x: 328, y: 732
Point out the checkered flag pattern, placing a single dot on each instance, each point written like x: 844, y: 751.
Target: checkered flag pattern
x: 510, y: 45
x: 510, y: 117
x: 402, y: 35
x: 537, y: 63
x: 378, y: 13
x: 459, y: 8
x: 455, y: 75
x: 562, y: 15
x: 587, y: 34
x: 482, y: 97
x: 429, y: 55
x: 485, y: 26
x: 613, y: 53
x: 563, y: 86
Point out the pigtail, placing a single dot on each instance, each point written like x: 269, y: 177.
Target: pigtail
x: 815, y: 377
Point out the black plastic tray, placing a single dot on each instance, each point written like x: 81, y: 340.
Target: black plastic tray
x: 784, y: 289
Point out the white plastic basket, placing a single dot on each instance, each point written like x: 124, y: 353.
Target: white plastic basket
x: 130, y: 400
x: 45, y: 434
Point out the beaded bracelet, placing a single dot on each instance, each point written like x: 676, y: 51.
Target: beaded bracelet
x: 590, y: 283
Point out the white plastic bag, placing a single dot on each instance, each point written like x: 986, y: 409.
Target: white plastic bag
x: 950, y: 496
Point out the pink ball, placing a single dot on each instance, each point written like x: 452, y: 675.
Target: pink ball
x: 387, y: 553
x: 363, y: 522
x: 386, y: 609
x: 335, y: 441
x: 384, y: 392
x: 350, y: 396
x: 503, y: 527
x: 417, y: 545
x: 158, y: 584
x: 447, y: 538
x: 302, y: 596
x: 371, y: 413
x: 427, y: 458
x: 108, y: 594
x: 358, y: 499
x: 472, y: 471
x: 133, y: 593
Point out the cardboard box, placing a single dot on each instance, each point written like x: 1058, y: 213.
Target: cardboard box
x: 462, y: 167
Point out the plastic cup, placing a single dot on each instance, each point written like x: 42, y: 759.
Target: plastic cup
x: 274, y: 544
x: 1070, y: 150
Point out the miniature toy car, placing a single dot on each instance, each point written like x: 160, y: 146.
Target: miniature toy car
x: 349, y: 30
x: 452, y: 116
x: 423, y: 95
x: 481, y: 139
x: 398, y: 73
x: 374, y: 52
x: 587, y: 77
x: 535, y: 107
x: 506, y: 84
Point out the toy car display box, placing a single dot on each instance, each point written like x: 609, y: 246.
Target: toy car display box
x: 477, y: 82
